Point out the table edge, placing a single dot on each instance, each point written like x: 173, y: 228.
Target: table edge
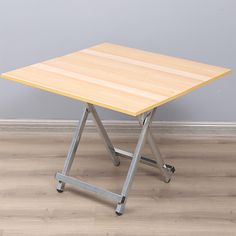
x: 63, y: 93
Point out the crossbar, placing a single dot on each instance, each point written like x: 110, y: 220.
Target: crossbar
x: 88, y: 187
x: 129, y: 155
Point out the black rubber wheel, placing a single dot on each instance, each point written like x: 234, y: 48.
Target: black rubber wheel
x: 59, y: 191
x: 170, y: 168
x: 118, y: 213
x: 118, y: 164
x: 173, y: 169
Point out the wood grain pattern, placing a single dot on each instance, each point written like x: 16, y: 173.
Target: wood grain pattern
x: 119, y: 78
x: 199, y: 201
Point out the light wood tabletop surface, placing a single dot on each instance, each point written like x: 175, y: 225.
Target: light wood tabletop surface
x: 119, y: 78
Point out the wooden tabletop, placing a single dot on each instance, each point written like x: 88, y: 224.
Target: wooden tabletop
x: 119, y: 78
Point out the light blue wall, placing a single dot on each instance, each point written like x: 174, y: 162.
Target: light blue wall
x: 35, y: 30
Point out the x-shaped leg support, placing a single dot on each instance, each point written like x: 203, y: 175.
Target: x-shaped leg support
x: 166, y: 170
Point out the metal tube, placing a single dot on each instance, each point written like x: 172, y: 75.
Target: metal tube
x: 156, y: 153
x: 73, y: 147
x: 103, y: 134
x: 134, y: 162
x: 88, y: 187
x: 129, y: 155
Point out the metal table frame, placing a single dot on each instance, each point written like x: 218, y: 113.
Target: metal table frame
x: 145, y: 120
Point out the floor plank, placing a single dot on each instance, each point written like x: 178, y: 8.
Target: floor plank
x: 200, y: 199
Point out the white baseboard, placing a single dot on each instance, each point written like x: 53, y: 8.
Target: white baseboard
x: 223, y: 129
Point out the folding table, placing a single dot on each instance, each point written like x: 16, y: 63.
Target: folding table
x: 127, y: 80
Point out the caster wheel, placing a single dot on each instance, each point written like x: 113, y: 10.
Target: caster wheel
x: 118, y: 213
x: 118, y: 164
x: 59, y: 191
x: 169, y: 168
x: 173, y: 169
x: 168, y: 181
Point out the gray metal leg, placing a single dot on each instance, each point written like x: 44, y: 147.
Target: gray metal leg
x: 73, y: 148
x: 134, y: 163
x: 103, y: 134
x: 166, y: 170
x: 63, y: 177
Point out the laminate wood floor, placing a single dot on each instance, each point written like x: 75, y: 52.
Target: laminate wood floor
x: 200, y: 199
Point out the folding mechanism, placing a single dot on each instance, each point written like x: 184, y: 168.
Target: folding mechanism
x: 114, y: 153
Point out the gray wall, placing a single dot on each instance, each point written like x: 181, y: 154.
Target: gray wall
x: 35, y: 30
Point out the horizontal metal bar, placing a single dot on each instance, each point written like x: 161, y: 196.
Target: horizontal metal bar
x: 143, y: 159
x: 88, y: 187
